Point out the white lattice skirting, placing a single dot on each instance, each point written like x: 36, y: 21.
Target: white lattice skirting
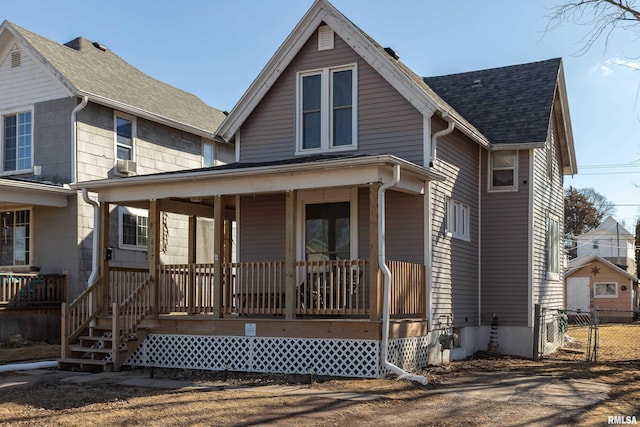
x: 342, y: 358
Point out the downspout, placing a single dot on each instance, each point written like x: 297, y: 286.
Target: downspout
x: 96, y: 243
x: 74, y: 138
x: 387, y: 281
x: 432, y: 162
x: 434, y: 138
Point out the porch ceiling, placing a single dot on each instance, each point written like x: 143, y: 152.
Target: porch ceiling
x: 342, y: 172
x: 31, y: 193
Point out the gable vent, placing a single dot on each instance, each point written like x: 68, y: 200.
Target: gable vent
x: 325, y: 38
x: 16, y: 59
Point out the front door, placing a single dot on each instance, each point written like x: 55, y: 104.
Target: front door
x: 578, y: 294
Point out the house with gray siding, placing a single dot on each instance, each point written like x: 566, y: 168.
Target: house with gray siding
x: 383, y: 220
x: 75, y: 112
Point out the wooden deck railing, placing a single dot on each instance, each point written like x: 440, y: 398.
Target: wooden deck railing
x: 28, y: 289
x: 128, y: 315
x: 123, y: 282
x: 254, y: 287
x: 77, y: 316
x: 337, y: 287
x: 186, y: 288
x: 408, y: 289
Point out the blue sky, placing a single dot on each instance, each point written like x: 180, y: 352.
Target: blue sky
x: 215, y: 49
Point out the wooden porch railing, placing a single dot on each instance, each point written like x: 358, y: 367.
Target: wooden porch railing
x: 337, y: 287
x: 128, y: 315
x: 186, y: 288
x: 408, y: 289
x: 28, y: 289
x: 254, y: 287
x: 77, y: 316
x: 123, y: 282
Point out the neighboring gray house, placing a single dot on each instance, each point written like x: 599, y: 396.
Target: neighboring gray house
x: 375, y: 211
x: 73, y: 112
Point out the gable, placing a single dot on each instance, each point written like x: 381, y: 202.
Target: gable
x: 393, y: 127
x: 23, y: 79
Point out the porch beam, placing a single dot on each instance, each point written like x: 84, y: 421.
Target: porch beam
x: 375, y: 294
x: 218, y: 255
x: 153, y: 254
x: 103, y: 235
x: 187, y: 208
x: 290, y: 255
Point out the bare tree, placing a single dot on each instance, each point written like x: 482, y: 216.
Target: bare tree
x: 601, y: 16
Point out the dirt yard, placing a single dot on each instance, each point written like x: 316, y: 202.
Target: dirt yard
x: 401, y: 404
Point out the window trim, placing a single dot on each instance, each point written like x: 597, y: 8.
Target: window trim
x: 134, y: 134
x: 122, y: 210
x: 458, y: 226
x: 551, y: 274
x: 213, y: 154
x: 605, y: 283
x: 14, y: 112
x: 31, y: 240
x: 326, y: 110
x: 506, y: 188
x: 327, y: 196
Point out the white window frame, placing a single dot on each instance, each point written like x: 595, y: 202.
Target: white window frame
x: 134, y: 134
x: 553, y: 273
x: 14, y: 112
x: 134, y: 212
x: 206, y: 144
x: 458, y: 220
x: 31, y: 239
x: 505, y: 188
x: 595, y: 286
x: 326, y: 110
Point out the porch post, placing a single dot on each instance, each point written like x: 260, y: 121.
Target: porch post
x: 103, y: 235
x: 290, y: 255
x: 218, y: 255
x: 153, y: 254
x: 375, y: 294
x: 191, y: 260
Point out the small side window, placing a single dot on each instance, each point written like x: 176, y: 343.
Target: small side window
x: 503, y: 170
x: 133, y: 228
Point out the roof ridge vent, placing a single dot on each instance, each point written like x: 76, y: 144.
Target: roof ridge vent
x: 392, y: 53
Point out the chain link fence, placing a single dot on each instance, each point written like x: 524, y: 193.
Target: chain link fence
x: 602, y: 335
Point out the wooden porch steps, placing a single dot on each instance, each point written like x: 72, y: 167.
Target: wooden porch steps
x: 94, y: 352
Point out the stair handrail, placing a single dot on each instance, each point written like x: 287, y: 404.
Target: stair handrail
x: 127, y: 316
x: 77, y: 315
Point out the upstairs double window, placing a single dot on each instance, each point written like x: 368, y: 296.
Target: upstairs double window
x: 327, y: 110
x: 17, y: 142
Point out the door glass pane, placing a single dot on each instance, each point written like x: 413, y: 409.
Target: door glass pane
x: 327, y: 231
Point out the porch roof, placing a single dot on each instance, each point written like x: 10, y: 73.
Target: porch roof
x: 18, y: 191
x: 268, y: 177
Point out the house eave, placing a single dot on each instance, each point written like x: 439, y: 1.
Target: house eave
x: 264, y: 179
x: 37, y: 194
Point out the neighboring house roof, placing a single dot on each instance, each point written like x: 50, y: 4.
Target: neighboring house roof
x: 577, y: 263
x: 89, y: 69
x: 507, y: 104
x: 25, y: 191
x: 608, y: 226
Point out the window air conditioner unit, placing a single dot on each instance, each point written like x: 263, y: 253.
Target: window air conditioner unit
x: 126, y: 167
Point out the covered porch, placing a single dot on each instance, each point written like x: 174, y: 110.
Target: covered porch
x: 294, y: 253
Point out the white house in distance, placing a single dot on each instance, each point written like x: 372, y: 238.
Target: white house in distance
x: 611, y: 241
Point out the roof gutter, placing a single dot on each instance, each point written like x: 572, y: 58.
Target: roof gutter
x: 382, y: 262
x: 74, y: 137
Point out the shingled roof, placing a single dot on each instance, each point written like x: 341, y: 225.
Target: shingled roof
x: 88, y: 68
x: 507, y: 104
